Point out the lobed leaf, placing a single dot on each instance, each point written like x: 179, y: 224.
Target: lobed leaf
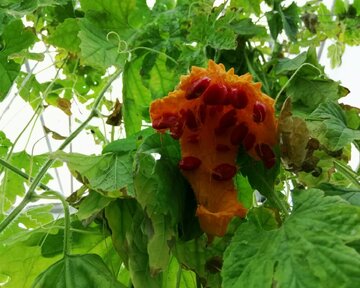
x: 308, y: 250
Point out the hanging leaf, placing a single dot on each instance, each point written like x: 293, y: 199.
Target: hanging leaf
x: 80, y: 271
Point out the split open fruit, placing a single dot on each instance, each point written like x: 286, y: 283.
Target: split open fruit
x: 212, y: 113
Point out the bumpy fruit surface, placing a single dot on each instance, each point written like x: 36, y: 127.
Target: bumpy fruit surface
x: 213, y: 112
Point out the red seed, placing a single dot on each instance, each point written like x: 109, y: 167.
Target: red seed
x: 238, y: 98
x: 249, y: 141
x: 215, y: 94
x: 222, y: 148
x: 266, y: 154
x: 239, y: 133
x: 197, y: 88
x: 223, y: 172
x: 189, y: 163
x: 259, y: 112
x: 190, y: 120
x: 167, y: 120
x: 177, y: 130
x: 228, y: 119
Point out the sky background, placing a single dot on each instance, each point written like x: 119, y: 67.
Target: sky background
x: 14, y: 119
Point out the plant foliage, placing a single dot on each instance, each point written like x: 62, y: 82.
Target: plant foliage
x: 133, y: 220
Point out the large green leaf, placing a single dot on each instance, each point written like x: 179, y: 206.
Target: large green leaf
x: 110, y: 174
x: 332, y: 127
x: 122, y: 17
x: 98, y: 48
x: 66, y: 36
x: 78, y: 271
x: 308, y: 250
x: 160, y: 189
x: 308, y: 93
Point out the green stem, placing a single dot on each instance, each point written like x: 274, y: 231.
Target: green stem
x: 21, y: 173
x: 67, y: 224
x: 31, y: 191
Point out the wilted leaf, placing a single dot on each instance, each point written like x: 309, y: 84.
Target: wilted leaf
x: 308, y: 250
x: 335, y: 52
x: 54, y: 134
x: 294, y: 138
x: 114, y: 119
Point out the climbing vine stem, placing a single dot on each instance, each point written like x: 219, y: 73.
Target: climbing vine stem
x: 30, y: 194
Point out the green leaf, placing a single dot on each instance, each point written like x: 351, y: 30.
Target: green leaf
x: 290, y: 18
x: 29, y: 220
x: 16, y: 38
x: 21, y: 263
x: 202, y: 258
x: 274, y: 22
x: 285, y: 65
x: 177, y: 276
x: 249, y: 7
x: 30, y: 89
x: 244, y: 190
x: 339, y: 7
x: 259, y: 177
x: 331, y: 127
x: 5, y: 144
x: 13, y: 185
x: 136, y: 97
x: 66, y: 35
x: 160, y: 190
x: 128, y: 144
x: 100, y: 49
x: 127, y: 223
x: 356, y: 5
x: 319, y: 227
x: 335, y: 52
x: 246, y: 28
x: 8, y: 73
x: 122, y: 17
x: 92, y: 204
x: 351, y: 195
x: 158, y: 78
x: 78, y: 271
x: 308, y: 93
x: 109, y: 174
